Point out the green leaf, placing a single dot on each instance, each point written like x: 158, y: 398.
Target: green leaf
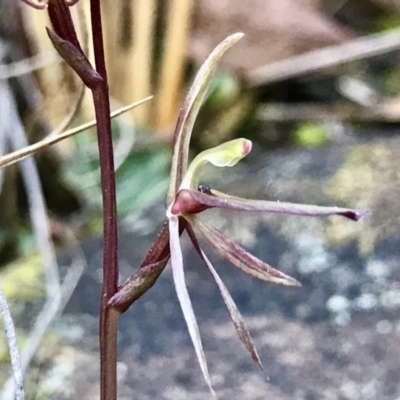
x: 141, y: 180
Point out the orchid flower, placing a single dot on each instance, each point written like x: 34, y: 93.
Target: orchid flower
x: 186, y: 199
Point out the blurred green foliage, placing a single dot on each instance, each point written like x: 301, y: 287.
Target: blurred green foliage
x: 309, y: 134
x: 142, y: 176
x: 387, y: 23
x: 23, y: 279
x: 391, y: 81
x: 225, y: 88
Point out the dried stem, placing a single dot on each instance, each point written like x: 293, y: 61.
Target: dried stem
x: 50, y: 139
x: 12, y: 343
x: 319, y: 60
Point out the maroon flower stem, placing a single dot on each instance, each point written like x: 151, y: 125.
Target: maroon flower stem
x: 108, y: 317
x: 65, y: 40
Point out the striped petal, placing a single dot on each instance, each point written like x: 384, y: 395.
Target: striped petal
x: 187, y: 200
x: 234, y: 312
x: 240, y: 257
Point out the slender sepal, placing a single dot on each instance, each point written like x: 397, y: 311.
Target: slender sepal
x: 240, y: 257
x: 190, y: 109
x: 183, y: 296
x: 234, y: 312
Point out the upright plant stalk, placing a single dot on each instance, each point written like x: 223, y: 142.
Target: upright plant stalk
x: 65, y: 41
x: 108, y: 317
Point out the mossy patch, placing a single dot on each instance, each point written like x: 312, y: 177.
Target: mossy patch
x: 309, y: 134
x: 24, y: 278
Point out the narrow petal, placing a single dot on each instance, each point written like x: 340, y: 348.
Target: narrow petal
x: 222, y: 200
x: 189, y: 111
x: 183, y: 296
x: 234, y: 312
x: 240, y: 257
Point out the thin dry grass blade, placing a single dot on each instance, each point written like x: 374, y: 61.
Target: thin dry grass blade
x: 15, y: 134
x: 139, y: 58
x: 28, y: 65
x: 240, y: 257
x: 189, y: 112
x: 183, y: 296
x: 234, y: 312
x: 18, y: 379
x: 50, y: 310
x: 16, y: 156
x: 173, y: 61
x: 331, y: 56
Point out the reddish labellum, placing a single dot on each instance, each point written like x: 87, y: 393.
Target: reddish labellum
x: 185, y: 204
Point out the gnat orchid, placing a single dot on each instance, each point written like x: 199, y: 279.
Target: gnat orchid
x: 186, y: 199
